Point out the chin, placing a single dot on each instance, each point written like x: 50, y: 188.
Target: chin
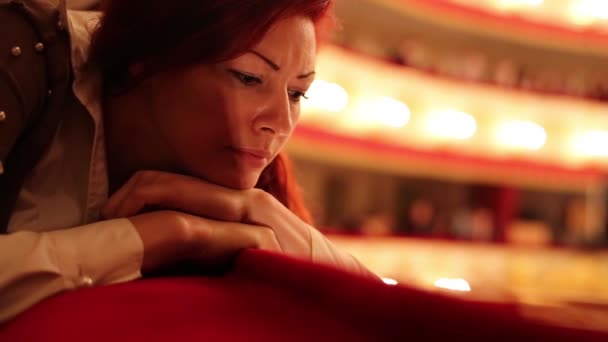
x: 241, y: 184
x: 228, y: 176
x: 237, y: 181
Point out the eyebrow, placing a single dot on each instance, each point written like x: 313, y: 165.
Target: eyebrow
x: 307, y: 75
x: 268, y: 61
x: 276, y: 67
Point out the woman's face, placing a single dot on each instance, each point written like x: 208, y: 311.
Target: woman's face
x: 226, y: 122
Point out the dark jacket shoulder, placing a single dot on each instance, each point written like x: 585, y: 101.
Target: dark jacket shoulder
x: 23, y: 75
x: 35, y: 82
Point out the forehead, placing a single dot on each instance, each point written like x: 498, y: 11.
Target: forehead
x: 291, y: 43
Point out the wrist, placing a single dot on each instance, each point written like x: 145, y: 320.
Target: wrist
x: 258, y: 201
x: 167, y: 237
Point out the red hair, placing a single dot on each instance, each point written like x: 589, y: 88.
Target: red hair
x: 161, y: 35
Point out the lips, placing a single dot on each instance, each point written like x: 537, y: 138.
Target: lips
x: 252, y: 157
x: 260, y: 153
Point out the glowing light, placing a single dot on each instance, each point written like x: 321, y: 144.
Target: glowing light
x: 325, y: 97
x: 592, y: 143
x: 534, y: 2
x: 510, y: 4
x: 451, y: 124
x: 522, y: 135
x: 384, y: 111
x: 389, y: 281
x: 585, y: 12
x: 457, y: 284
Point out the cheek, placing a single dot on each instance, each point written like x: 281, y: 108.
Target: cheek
x: 296, y: 117
x: 191, y: 120
x: 239, y: 116
x: 204, y: 121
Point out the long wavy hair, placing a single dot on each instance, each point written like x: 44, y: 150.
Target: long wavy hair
x: 160, y: 34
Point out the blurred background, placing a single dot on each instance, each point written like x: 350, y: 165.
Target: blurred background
x: 463, y: 144
x: 449, y: 140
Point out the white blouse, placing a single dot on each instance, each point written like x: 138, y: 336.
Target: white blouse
x: 67, y: 189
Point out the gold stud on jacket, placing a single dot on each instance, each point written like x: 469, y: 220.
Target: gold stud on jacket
x: 16, y: 51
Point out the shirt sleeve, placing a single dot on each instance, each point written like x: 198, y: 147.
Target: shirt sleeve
x: 34, y: 266
x: 325, y: 252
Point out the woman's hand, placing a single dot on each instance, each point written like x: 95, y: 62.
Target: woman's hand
x: 173, y: 191
x: 171, y: 237
x: 221, y: 222
x: 196, y: 197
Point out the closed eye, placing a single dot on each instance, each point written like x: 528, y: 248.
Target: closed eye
x: 246, y: 79
x: 296, y: 96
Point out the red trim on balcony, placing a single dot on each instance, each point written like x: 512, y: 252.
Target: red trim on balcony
x: 391, y: 151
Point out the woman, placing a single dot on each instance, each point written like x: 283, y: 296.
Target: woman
x: 171, y: 152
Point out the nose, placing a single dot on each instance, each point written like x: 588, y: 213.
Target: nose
x: 276, y: 118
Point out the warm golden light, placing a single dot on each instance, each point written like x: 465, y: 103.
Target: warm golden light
x: 521, y: 135
x: 383, y: 111
x: 325, y: 96
x: 567, y: 13
x: 389, y: 281
x: 586, y: 11
x: 592, y: 143
x: 451, y: 124
x: 457, y: 284
x: 393, y: 104
x: 510, y: 4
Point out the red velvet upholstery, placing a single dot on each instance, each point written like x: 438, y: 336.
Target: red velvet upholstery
x: 270, y: 297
